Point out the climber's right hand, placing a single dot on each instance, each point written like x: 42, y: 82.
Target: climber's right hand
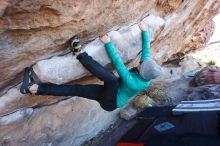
x: 142, y: 26
x: 105, y: 38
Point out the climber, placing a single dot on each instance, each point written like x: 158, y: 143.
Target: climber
x: 115, y: 92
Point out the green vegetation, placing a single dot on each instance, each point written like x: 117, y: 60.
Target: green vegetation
x: 211, y: 62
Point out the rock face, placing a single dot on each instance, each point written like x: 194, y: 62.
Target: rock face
x: 127, y: 40
x: 50, y: 126
x: 34, y: 32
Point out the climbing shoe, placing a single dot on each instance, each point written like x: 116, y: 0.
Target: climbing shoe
x: 29, y: 79
x: 26, y: 81
x: 34, y: 77
x: 75, y: 45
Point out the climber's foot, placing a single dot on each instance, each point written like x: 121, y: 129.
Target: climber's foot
x: 28, y: 81
x: 75, y: 45
x: 33, y: 88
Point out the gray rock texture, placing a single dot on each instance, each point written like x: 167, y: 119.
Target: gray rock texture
x: 62, y: 124
x: 35, y: 32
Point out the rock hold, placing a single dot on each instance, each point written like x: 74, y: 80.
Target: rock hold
x: 16, y: 116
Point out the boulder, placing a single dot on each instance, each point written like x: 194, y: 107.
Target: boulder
x: 31, y: 31
x: 65, y: 123
x: 36, y: 32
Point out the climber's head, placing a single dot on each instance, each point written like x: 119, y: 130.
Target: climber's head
x: 149, y: 69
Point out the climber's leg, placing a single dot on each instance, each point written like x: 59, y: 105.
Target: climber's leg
x: 91, y: 91
x: 110, y: 90
x: 106, y: 95
x: 108, y: 99
x: 95, y: 68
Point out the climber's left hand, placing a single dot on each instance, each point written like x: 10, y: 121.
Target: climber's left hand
x: 142, y: 26
x: 105, y: 38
